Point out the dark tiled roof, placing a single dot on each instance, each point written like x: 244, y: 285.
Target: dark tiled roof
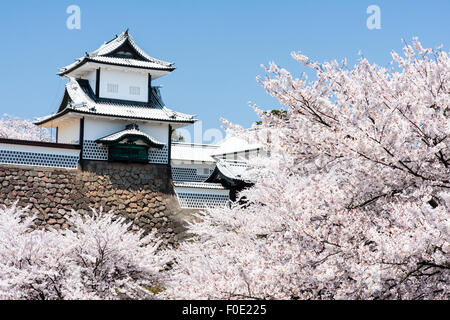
x: 109, y: 53
x: 131, y: 133
x: 79, y: 98
x: 228, y: 169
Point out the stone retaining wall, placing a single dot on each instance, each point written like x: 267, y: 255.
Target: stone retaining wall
x: 142, y: 193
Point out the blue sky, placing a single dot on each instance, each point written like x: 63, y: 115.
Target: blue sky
x: 218, y: 46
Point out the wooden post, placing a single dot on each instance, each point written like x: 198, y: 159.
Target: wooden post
x: 149, y: 99
x: 81, y: 137
x: 97, y: 84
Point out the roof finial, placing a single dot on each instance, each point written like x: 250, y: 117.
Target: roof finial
x: 132, y: 126
x: 126, y: 32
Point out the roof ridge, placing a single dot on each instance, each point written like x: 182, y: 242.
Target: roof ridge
x: 124, y: 36
x: 110, y: 46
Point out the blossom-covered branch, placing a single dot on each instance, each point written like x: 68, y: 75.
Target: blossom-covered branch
x: 100, y: 259
x: 20, y: 129
x: 353, y: 201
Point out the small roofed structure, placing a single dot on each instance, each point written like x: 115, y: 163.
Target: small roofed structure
x: 131, y: 135
x: 229, y: 171
x: 130, y: 145
x: 230, y: 174
x: 203, y: 166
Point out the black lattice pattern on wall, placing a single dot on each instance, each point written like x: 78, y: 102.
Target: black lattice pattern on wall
x: 159, y: 155
x: 201, y: 200
x: 94, y: 151
x: 38, y: 159
x: 189, y: 174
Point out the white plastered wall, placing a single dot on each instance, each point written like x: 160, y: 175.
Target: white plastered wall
x: 69, y: 132
x: 92, y: 77
x: 124, y: 80
x: 39, y: 149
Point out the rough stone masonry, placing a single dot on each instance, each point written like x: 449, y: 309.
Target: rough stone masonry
x: 142, y: 193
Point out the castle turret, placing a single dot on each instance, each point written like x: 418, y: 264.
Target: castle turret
x: 108, y: 90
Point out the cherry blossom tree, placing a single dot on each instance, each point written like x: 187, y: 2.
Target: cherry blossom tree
x: 353, y: 200
x: 14, y: 128
x: 100, y: 259
x: 31, y: 262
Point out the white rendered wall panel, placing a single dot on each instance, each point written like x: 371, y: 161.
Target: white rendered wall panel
x: 96, y: 128
x: 124, y: 80
x: 69, y: 132
x: 92, y: 78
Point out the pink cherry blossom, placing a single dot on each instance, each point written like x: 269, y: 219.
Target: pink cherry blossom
x: 353, y: 199
x: 20, y: 129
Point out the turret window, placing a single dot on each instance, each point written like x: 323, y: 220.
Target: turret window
x: 112, y: 88
x: 135, y: 91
